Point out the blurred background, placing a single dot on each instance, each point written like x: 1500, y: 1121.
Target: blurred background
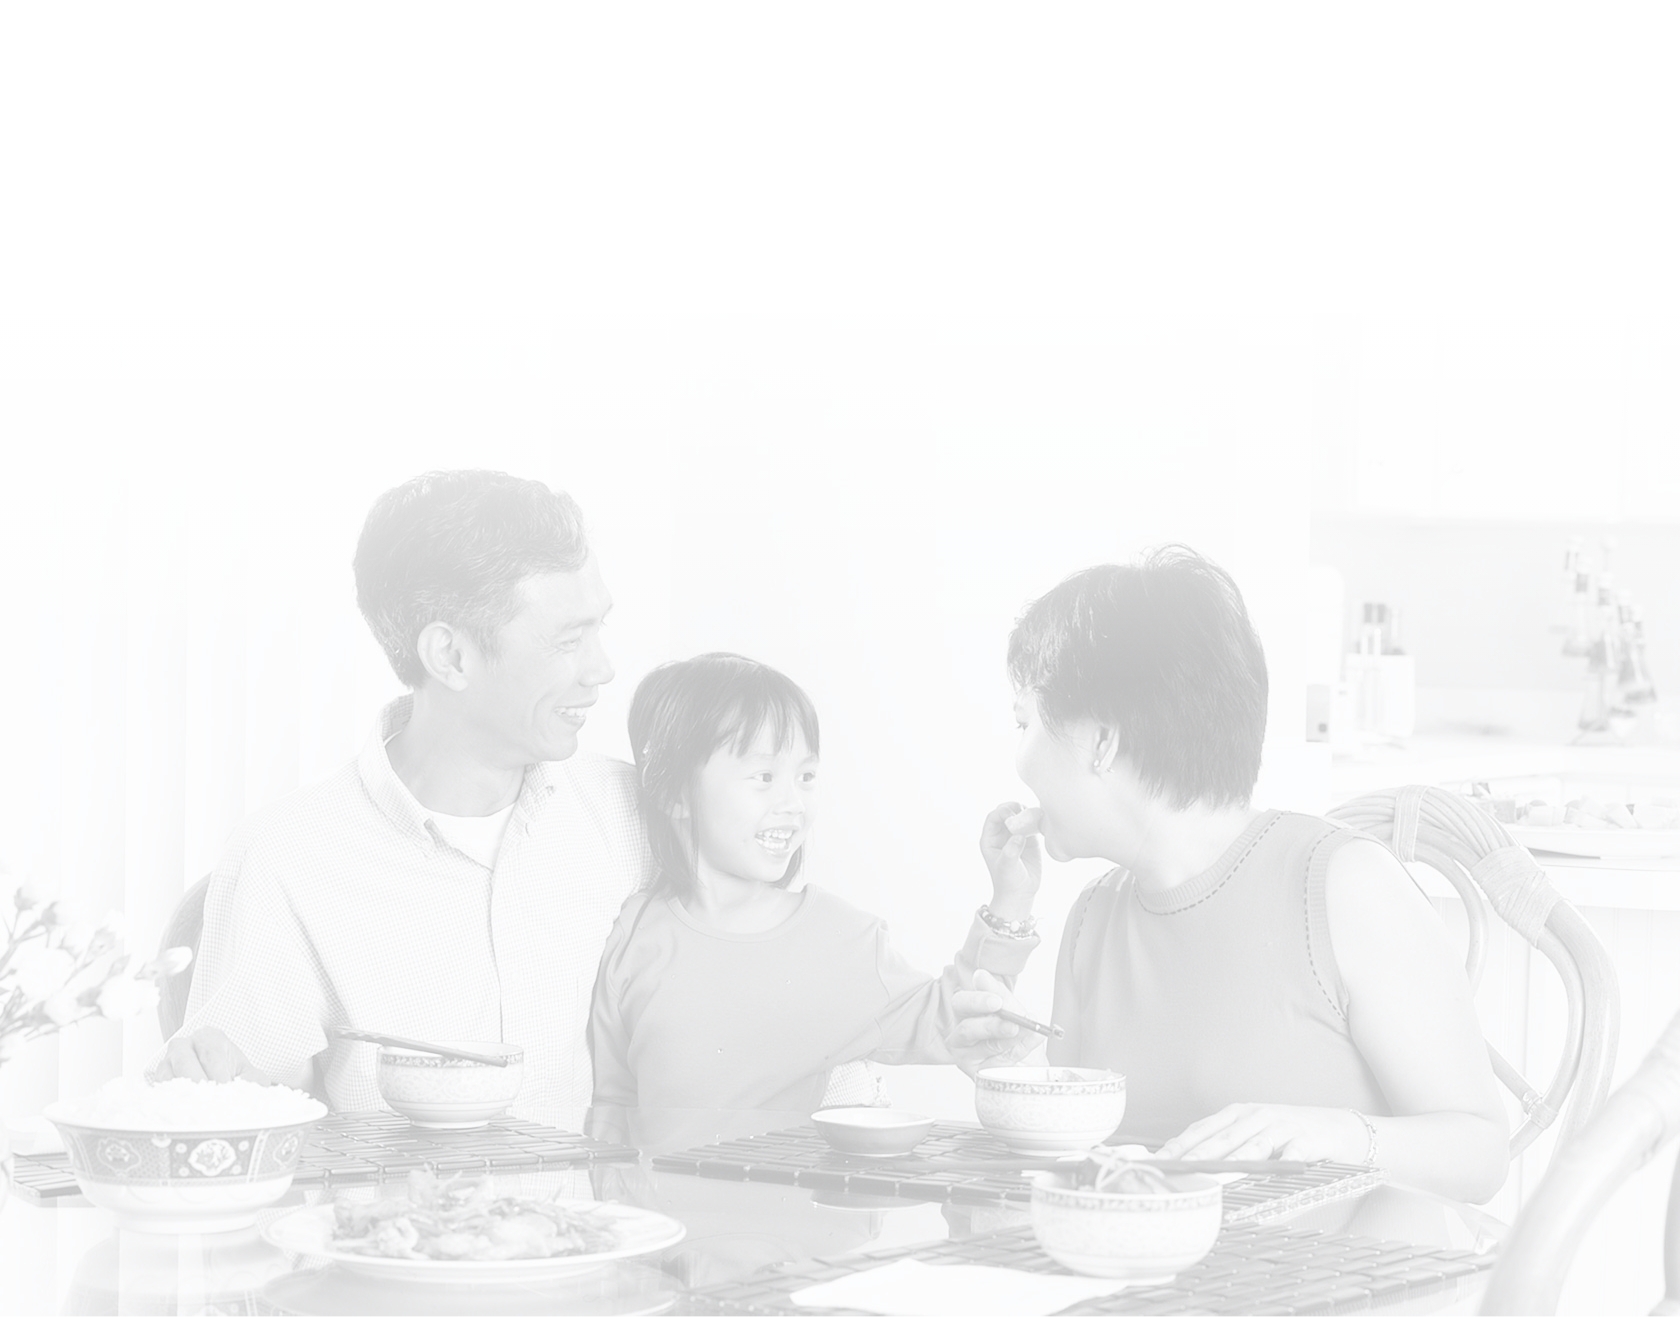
x: 851, y: 331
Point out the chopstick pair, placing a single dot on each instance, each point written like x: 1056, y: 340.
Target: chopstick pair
x: 1179, y: 1166
x: 350, y: 1035
x: 1048, y: 1030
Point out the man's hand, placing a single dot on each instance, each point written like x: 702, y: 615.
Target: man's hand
x: 207, y: 1054
x: 981, y: 1038
x: 1009, y: 843
x: 1258, y: 1131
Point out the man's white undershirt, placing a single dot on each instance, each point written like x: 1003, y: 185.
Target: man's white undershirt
x: 480, y: 837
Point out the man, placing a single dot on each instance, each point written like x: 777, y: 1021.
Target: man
x: 458, y: 880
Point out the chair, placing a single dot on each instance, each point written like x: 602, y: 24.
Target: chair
x: 1641, y: 1117
x: 185, y: 928
x: 1477, y: 856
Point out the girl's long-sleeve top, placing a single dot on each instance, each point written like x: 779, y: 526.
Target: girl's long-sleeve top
x: 686, y: 1016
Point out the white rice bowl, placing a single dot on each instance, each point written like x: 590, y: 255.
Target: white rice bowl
x: 189, y: 1106
x: 185, y: 1155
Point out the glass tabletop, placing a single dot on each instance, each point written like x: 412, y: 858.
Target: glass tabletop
x: 63, y: 1255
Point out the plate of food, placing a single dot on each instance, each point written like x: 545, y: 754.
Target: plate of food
x: 1599, y: 829
x: 463, y: 1232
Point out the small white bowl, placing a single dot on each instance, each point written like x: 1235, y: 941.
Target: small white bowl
x: 1134, y: 1237
x: 446, y: 1093
x: 1050, y: 1108
x: 871, y: 1131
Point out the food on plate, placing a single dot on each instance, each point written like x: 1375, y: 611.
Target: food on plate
x: 1585, y: 812
x: 458, y: 1220
x: 190, y: 1106
x: 1653, y: 815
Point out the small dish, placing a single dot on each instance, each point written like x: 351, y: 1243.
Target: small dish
x: 871, y: 1131
x: 1050, y: 1108
x: 450, y: 1093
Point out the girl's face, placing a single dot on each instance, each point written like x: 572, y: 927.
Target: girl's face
x: 750, y: 812
x: 1057, y: 770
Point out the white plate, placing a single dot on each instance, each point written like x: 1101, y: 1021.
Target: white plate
x: 1599, y: 843
x: 310, y: 1230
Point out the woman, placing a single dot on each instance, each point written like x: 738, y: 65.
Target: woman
x: 1271, y: 985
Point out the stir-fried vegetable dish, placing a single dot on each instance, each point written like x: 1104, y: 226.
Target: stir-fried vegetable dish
x: 458, y: 1220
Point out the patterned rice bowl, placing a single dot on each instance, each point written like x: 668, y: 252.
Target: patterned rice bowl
x: 1050, y: 1108
x: 450, y: 1093
x: 169, y: 1180
x: 1127, y: 1236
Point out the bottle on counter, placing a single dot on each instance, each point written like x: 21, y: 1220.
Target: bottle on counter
x: 1382, y: 677
x: 1578, y: 600
x: 1634, y: 674
x: 1371, y: 630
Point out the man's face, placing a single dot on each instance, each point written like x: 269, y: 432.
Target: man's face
x: 529, y: 701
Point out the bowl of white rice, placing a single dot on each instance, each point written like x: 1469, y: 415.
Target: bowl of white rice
x: 186, y: 1156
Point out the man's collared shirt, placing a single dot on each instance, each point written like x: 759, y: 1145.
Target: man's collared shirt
x: 344, y: 904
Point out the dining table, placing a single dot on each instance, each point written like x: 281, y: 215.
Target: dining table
x: 766, y: 1212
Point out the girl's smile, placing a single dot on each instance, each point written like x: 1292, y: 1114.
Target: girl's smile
x: 749, y: 810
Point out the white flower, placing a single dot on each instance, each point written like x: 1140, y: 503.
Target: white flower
x: 64, y: 914
x: 121, y: 998
x: 29, y: 894
x: 169, y: 963
x: 75, y: 938
x: 62, y: 1007
x: 45, y: 973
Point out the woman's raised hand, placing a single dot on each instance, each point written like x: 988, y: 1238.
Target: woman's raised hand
x: 982, y: 1037
x: 1009, y: 843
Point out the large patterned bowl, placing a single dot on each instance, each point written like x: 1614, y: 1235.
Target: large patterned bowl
x: 1050, y: 1108
x: 1136, y: 1237
x: 174, y: 1182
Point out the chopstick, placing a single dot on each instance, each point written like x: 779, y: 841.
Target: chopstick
x: 1048, y: 1030
x: 1226, y: 1167
x: 1057, y: 1163
x: 350, y: 1035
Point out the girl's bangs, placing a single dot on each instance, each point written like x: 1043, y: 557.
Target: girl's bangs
x: 780, y: 706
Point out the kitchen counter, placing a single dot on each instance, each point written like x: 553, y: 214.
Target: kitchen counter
x: 1447, y: 760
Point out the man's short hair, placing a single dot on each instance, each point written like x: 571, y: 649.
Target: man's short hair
x: 453, y: 546
x: 1163, y: 652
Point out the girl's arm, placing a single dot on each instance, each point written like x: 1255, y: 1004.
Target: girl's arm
x: 919, y: 1015
x: 1410, y: 1014
x: 609, y: 1033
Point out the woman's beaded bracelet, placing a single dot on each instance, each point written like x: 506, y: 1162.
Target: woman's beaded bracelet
x: 1008, y: 927
x: 1370, y: 1137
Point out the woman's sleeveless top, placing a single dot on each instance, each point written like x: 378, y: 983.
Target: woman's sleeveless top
x: 1222, y: 990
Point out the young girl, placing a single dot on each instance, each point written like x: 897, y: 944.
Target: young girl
x: 723, y: 987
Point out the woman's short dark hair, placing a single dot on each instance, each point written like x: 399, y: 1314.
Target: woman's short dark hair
x: 685, y: 712
x: 1163, y: 652
x: 453, y: 546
